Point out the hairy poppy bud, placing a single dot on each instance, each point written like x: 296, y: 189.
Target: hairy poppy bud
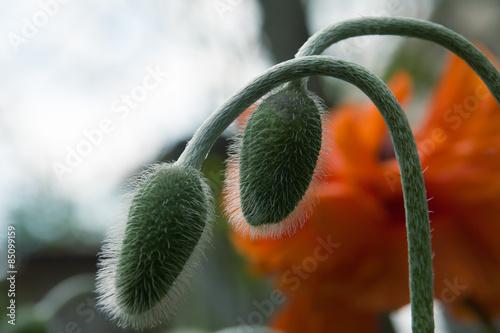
x: 277, y: 160
x: 145, y: 263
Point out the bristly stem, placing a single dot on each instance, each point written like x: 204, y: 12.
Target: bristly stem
x: 408, y: 27
x: 415, y: 200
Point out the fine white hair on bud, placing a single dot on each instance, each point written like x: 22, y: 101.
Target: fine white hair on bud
x: 276, y: 164
x: 146, y: 263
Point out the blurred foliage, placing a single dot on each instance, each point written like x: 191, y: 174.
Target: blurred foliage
x: 46, y: 221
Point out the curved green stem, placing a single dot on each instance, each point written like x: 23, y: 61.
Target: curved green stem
x: 411, y: 28
x: 417, y: 216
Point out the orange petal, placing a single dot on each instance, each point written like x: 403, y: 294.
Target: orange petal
x: 358, y: 133
x: 461, y: 107
x: 311, y: 312
x: 460, y: 145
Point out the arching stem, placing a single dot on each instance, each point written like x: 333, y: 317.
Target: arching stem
x: 408, y: 27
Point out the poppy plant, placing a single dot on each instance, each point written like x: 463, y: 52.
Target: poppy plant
x: 360, y: 211
x: 277, y: 166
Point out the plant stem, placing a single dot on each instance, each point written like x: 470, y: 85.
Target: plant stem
x: 434, y: 32
x: 415, y: 200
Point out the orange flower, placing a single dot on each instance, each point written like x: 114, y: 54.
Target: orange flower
x: 349, y: 262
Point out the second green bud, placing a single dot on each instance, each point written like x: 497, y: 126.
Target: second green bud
x: 279, y: 153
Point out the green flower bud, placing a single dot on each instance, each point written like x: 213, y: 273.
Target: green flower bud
x: 144, y: 264
x: 277, y: 159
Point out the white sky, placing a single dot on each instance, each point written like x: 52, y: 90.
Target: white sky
x: 67, y: 64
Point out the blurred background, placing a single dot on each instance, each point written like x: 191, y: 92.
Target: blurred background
x: 92, y: 91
